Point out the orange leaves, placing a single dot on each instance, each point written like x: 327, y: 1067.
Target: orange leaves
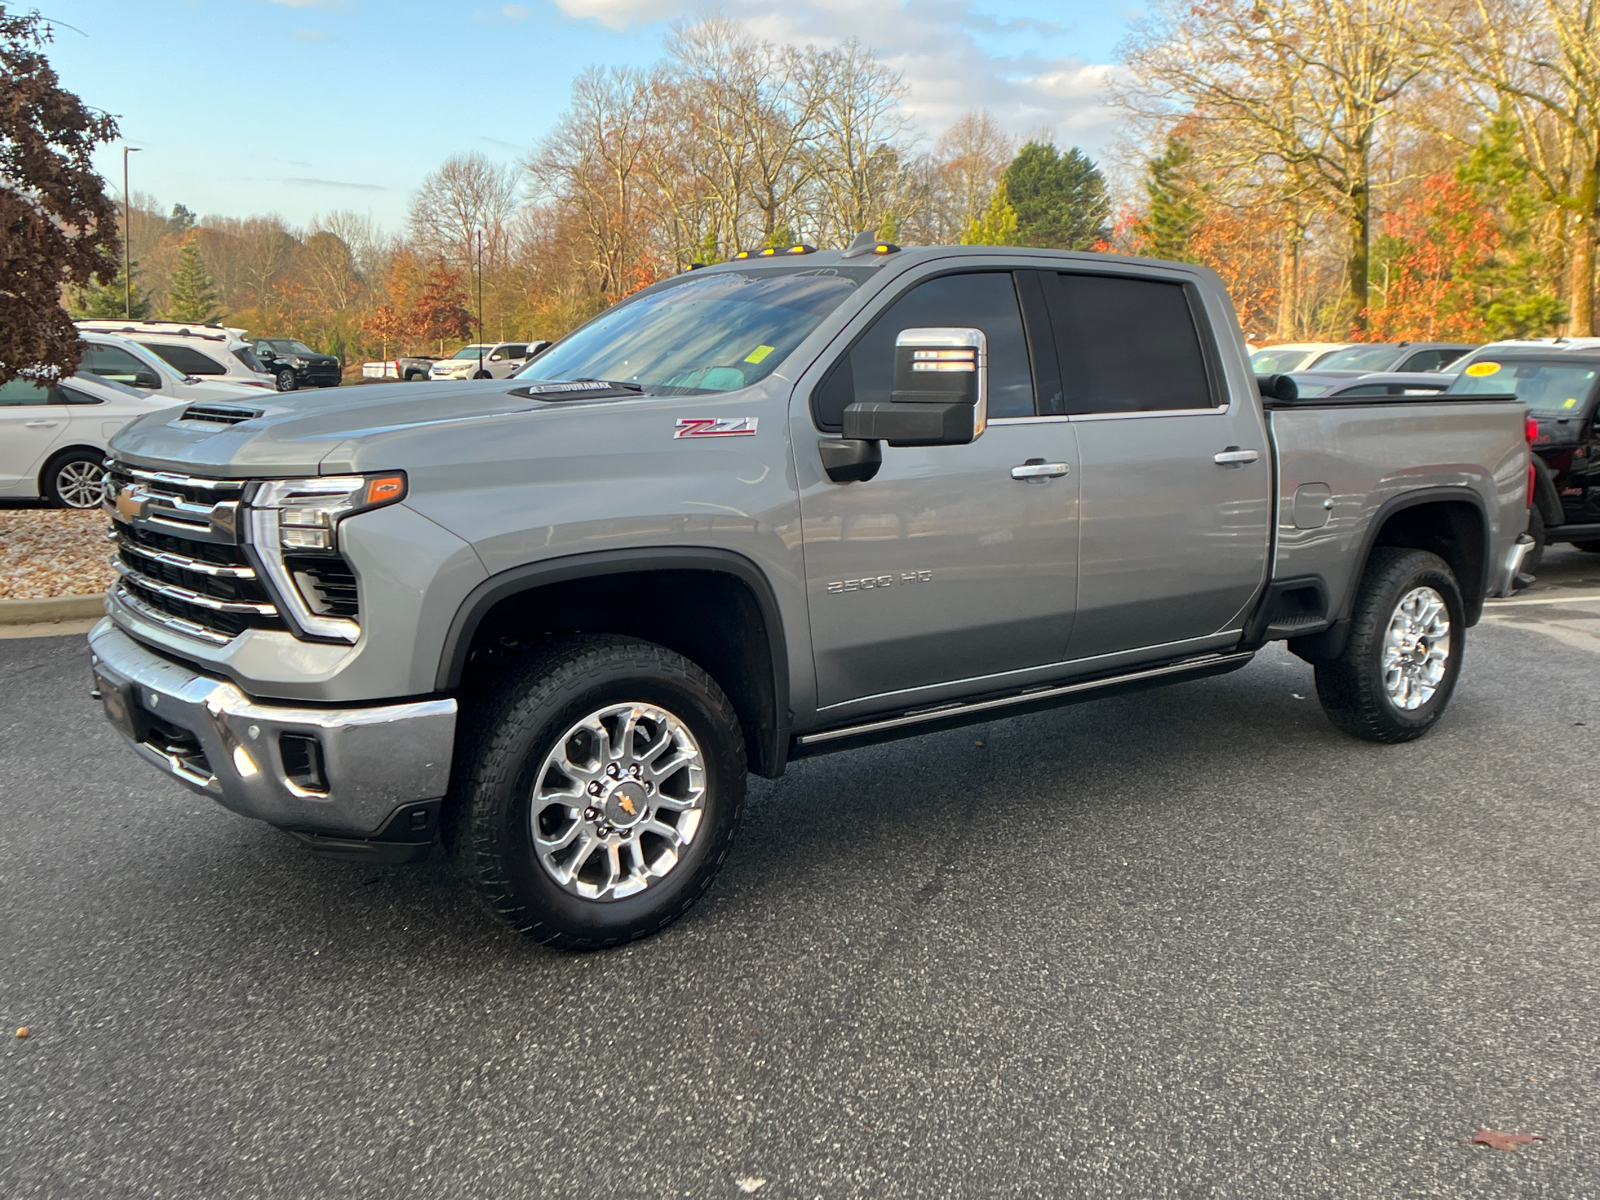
x: 1434, y: 245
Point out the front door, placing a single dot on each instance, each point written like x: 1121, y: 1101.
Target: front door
x: 944, y: 567
x: 1175, y: 483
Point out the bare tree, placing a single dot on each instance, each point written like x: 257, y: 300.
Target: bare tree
x: 467, y: 198
x: 1295, y: 92
x: 968, y: 158
x: 861, y: 170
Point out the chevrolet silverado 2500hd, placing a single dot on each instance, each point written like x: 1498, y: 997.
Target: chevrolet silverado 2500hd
x: 774, y: 508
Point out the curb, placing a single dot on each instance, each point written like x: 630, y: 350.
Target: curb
x: 52, y: 608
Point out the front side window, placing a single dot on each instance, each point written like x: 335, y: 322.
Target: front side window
x: 714, y: 332
x: 111, y: 362
x: 1126, y: 345
x: 187, y: 359
x: 985, y: 300
x: 1424, y: 360
x: 472, y: 352
x: 1276, y: 362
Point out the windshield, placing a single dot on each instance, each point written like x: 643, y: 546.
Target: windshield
x: 1276, y: 362
x: 710, y: 333
x: 1550, y: 388
x: 472, y: 351
x: 1358, y: 358
x: 290, y: 346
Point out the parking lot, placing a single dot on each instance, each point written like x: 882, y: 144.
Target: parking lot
x: 1186, y: 943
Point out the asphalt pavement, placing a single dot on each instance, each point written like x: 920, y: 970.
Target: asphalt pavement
x: 1187, y: 943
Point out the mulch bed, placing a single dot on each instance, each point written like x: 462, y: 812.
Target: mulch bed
x: 53, y: 552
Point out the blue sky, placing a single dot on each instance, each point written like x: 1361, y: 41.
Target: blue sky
x: 302, y: 107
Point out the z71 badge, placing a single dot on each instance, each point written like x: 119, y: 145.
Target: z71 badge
x: 693, y: 427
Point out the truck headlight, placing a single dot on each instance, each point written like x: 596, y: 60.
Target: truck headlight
x: 293, y: 527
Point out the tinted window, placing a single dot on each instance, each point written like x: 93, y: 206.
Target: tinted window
x: 71, y: 395
x: 187, y: 360
x: 1424, y: 360
x: 515, y: 351
x: 248, y: 357
x: 986, y: 301
x: 28, y: 391
x: 1126, y: 345
x: 113, y: 363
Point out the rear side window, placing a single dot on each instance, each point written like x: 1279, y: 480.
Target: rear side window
x: 1126, y: 345
x: 248, y: 357
x: 984, y: 300
x: 517, y: 351
x: 28, y: 392
x: 111, y: 362
x: 187, y: 359
x: 1424, y: 360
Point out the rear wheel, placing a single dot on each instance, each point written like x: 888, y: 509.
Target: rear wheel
x: 287, y: 381
x: 1400, y: 664
x: 601, y: 793
x: 482, y: 375
x: 74, y: 479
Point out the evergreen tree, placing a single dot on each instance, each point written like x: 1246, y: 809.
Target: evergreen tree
x: 781, y: 239
x: 997, y: 226
x: 1518, y: 300
x: 94, y: 300
x: 709, y: 255
x: 181, y: 220
x: 192, y: 296
x: 1168, y: 227
x: 1060, y: 199
x: 889, y: 228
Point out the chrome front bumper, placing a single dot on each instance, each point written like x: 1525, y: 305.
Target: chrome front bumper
x: 374, y: 760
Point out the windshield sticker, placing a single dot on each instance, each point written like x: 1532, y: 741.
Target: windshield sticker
x: 1572, y: 402
x: 758, y: 354
x: 693, y: 427
x: 1480, y: 369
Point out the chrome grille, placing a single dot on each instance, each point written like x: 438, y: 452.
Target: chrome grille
x: 179, y: 561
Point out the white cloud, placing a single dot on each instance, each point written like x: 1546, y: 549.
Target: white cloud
x: 309, y: 35
x: 935, y: 43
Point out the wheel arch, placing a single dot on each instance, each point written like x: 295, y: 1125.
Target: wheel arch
x: 1451, y: 522
x: 59, y: 452
x: 715, y: 607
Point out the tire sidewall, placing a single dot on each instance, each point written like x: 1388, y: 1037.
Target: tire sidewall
x: 51, y: 490
x: 1438, y: 577
x: 293, y: 381
x: 504, y: 808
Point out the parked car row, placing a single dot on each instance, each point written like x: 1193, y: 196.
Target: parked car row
x: 223, y: 354
x: 1292, y: 357
x: 480, y: 360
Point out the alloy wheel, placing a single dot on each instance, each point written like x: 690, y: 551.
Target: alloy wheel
x: 1416, y: 648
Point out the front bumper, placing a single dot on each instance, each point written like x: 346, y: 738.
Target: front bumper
x: 213, y: 738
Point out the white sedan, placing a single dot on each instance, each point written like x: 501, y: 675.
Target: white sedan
x: 53, y: 436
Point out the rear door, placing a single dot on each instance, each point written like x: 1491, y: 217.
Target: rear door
x: 1175, y: 483
x: 944, y: 568
x: 34, y: 419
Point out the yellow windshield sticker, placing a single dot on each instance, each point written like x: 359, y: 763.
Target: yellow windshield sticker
x: 1479, y: 370
x: 758, y: 354
x: 1572, y: 402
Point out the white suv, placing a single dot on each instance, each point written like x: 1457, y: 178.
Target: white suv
x: 136, y: 365
x: 210, y: 352
x: 487, y: 360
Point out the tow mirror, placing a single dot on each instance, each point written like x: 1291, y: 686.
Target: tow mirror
x: 941, y: 392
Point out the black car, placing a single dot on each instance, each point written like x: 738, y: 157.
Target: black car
x: 297, y: 365
x: 1562, y: 390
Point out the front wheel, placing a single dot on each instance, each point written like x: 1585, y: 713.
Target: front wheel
x: 287, y: 380
x: 1403, y: 655
x: 482, y: 375
x: 601, y: 792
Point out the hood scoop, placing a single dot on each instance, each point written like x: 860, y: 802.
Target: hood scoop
x: 219, y: 414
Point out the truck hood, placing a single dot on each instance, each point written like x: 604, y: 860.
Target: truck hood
x: 290, y: 433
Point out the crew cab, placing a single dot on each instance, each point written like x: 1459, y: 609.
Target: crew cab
x: 779, y: 507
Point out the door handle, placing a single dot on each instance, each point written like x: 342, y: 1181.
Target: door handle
x: 1234, y: 457
x: 1038, y: 469
x: 40, y: 424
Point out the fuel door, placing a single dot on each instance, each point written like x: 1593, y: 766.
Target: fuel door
x: 1313, y: 505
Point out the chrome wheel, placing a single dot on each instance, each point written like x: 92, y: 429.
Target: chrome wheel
x: 79, y: 483
x: 617, y: 801
x: 1416, y: 648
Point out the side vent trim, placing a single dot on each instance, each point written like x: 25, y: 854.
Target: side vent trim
x: 218, y: 414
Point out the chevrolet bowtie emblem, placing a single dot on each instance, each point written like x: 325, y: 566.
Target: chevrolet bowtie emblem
x: 627, y: 805
x: 130, y: 505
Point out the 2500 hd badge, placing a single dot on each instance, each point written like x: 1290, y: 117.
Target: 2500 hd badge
x: 877, y: 581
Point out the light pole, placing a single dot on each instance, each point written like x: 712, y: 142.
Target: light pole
x: 478, y: 237
x: 127, y: 270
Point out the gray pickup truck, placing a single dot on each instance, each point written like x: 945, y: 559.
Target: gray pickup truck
x: 787, y: 505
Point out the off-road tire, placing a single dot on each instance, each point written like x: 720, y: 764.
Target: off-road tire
x: 1535, y: 556
x: 515, y: 723
x: 1351, y: 686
